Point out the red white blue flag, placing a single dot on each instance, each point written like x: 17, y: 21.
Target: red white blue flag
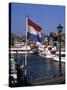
x: 34, y: 31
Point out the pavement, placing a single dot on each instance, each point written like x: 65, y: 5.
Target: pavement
x: 46, y: 80
x: 52, y: 80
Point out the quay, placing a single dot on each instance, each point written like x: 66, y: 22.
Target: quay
x: 46, y: 80
x: 49, y: 80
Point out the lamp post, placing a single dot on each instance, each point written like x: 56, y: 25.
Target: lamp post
x: 59, y: 29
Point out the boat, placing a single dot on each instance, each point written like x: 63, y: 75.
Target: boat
x: 42, y: 50
x: 48, y: 52
x: 20, y: 50
x: 56, y: 57
x: 49, y: 56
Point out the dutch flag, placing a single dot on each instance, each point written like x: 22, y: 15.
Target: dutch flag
x: 34, y: 31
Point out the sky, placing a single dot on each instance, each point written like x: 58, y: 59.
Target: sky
x: 48, y: 17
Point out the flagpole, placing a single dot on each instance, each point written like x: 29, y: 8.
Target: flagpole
x: 25, y: 72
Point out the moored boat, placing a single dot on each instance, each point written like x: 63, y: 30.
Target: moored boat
x: 56, y: 57
x: 21, y: 50
x: 48, y: 52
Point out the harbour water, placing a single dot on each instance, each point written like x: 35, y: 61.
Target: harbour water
x: 38, y: 66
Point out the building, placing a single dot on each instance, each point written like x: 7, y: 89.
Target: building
x: 54, y: 39
x: 46, y: 40
x: 11, y: 39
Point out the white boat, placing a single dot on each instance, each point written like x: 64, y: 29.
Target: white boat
x: 46, y: 51
x: 56, y: 57
x: 42, y: 53
x: 49, y: 55
x: 20, y: 50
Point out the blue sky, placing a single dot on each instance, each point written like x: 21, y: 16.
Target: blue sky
x: 47, y: 16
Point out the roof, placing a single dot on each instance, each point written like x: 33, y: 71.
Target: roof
x: 55, y: 34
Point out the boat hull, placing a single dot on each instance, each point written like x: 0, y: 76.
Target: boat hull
x: 57, y: 59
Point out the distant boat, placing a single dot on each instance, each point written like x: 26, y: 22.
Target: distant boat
x: 56, y: 57
x: 22, y: 50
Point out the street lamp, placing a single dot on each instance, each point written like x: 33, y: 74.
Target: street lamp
x: 59, y: 29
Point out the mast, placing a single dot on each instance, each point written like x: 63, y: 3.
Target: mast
x: 25, y: 72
